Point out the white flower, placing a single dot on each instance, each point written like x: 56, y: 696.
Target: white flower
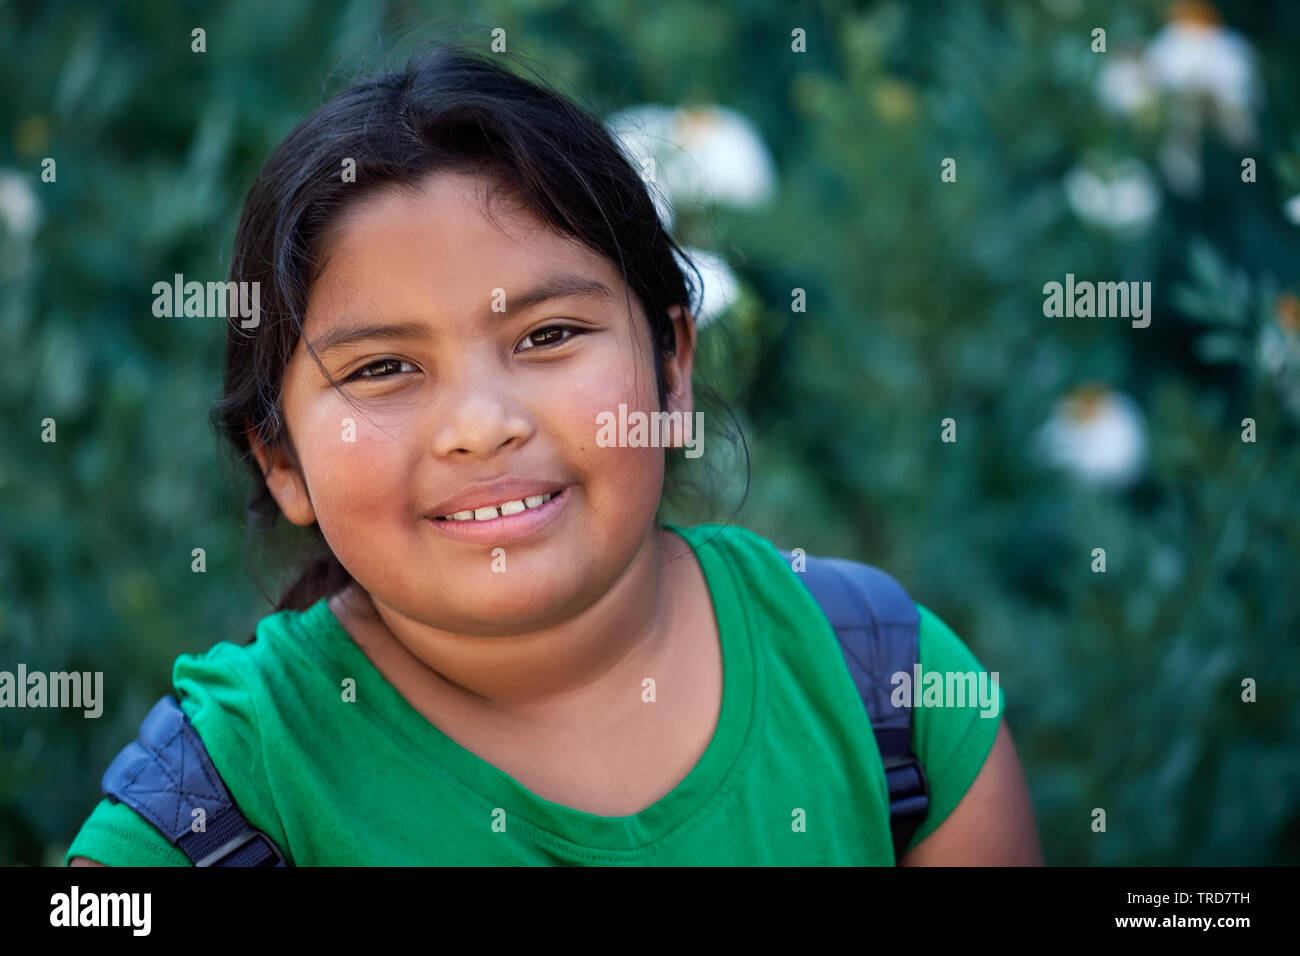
x: 696, y: 154
x: 20, y: 217
x: 720, y: 284
x: 1194, y: 55
x: 1277, y: 352
x: 1124, y: 84
x: 1122, y: 197
x: 640, y: 131
x: 1291, y: 209
x: 1098, y: 435
x: 19, y: 207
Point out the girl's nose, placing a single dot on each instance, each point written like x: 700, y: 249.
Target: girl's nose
x: 478, y: 417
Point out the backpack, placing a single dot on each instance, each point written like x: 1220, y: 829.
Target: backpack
x: 878, y: 627
x: 167, y: 777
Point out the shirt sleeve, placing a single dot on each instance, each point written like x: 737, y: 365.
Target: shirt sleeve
x: 216, y: 698
x: 951, y: 742
x: 116, y: 835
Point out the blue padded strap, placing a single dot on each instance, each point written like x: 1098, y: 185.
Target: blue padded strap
x: 166, y: 774
x: 877, y: 625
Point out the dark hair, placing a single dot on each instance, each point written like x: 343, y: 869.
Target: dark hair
x: 448, y: 110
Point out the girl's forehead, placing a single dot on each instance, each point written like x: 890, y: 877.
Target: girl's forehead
x: 450, y: 202
x: 459, y: 226
x: 446, y: 240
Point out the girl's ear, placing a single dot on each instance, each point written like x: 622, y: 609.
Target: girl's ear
x: 679, y: 366
x: 284, y: 480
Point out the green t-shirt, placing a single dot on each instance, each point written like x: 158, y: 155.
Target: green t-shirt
x: 792, y: 775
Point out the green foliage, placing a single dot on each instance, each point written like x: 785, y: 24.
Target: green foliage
x: 924, y: 302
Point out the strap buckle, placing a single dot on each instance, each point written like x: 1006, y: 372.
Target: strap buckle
x: 238, y: 842
x: 909, y: 788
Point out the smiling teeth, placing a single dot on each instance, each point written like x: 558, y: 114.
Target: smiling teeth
x: 502, y: 510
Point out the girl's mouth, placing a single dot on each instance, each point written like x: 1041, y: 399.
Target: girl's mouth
x: 505, y: 527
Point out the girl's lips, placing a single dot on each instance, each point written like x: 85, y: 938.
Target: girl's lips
x: 507, y: 528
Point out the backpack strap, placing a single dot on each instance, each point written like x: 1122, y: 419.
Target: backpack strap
x: 167, y: 774
x: 877, y: 624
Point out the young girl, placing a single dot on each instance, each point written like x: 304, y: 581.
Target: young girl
x: 500, y: 656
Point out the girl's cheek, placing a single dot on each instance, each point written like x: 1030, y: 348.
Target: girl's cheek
x: 359, y: 453
x: 611, y: 379
x: 617, y: 472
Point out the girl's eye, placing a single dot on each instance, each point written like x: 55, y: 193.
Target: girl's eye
x: 548, y: 336
x: 379, y: 369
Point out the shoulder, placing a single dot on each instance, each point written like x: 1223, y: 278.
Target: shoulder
x: 952, y: 741
x: 957, y: 703
x: 979, y: 808
x: 229, y: 682
x: 225, y: 691
x: 981, y: 813
x: 214, y: 694
x: 241, y: 698
x: 940, y: 647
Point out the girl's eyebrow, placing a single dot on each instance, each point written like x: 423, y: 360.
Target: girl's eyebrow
x: 347, y: 332
x: 558, y: 286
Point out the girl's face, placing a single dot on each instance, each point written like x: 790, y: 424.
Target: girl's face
x: 454, y: 380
